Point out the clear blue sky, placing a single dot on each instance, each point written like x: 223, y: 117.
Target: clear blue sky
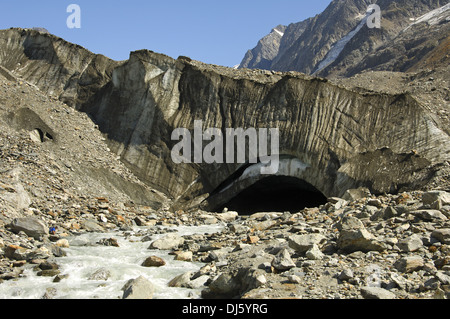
x: 217, y: 32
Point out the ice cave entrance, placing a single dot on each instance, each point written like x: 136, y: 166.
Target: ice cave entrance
x: 276, y: 194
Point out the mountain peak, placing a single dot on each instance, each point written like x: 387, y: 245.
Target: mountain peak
x: 338, y: 42
x: 266, y: 50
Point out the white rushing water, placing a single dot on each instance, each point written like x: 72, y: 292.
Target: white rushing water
x: 84, y: 258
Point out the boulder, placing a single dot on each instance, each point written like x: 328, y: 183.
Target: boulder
x: 346, y: 274
x: 15, y: 196
x: 91, y: 225
x: 48, y: 273
x: 16, y: 252
x: 359, y: 240
x: 63, y: 243
x: 139, y: 288
x: 429, y: 198
x: 228, y: 216
x: 354, y: 236
x: 108, y: 242
x: 101, y: 274
x: 302, y: 243
x: 355, y: 194
x: 153, y: 261
x: 442, y: 277
x: 19, y: 253
x: 182, y: 280
x: 376, y: 293
x: 224, y: 286
x: 31, y: 226
x: 443, y: 235
x: 283, y: 261
x: 409, y: 264
x: 429, y: 214
x: 314, y: 253
x: 410, y: 244
x: 167, y: 242
x: 184, y: 255
x: 264, y: 225
x: 198, y: 282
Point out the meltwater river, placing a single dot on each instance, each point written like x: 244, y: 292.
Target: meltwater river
x: 84, y: 258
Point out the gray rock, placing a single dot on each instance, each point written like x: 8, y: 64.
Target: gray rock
x: 354, y: 194
x: 100, y: 274
x: 374, y: 202
x: 183, y: 255
x: 390, y: 212
x: 32, y: 226
x: 429, y: 198
x: 228, y: 216
x: 198, y: 282
x: 16, y: 252
x: 91, y: 225
x: 182, y: 280
x: 443, y: 235
x: 59, y: 278
x: 283, y: 261
x: 446, y: 210
x: 409, y: 264
x: 337, y: 202
x: 359, y: 240
x: 294, y: 279
x: 314, y: 253
x: 346, y: 274
x: 46, y: 265
x: 139, y: 288
x: 410, y: 244
x: 385, y: 213
x: 302, y: 243
x: 16, y: 196
x: 350, y: 223
x: 443, y: 278
x: 239, y: 229
x: 399, y: 280
x: 355, y: 237
x: 167, y: 242
x: 108, y: 242
x: 224, y: 285
x: 50, y: 293
x: 376, y: 293
x: 429, y: 214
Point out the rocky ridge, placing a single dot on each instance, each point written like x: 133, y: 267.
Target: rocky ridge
x: 409, y: 31
x: 266, y: 50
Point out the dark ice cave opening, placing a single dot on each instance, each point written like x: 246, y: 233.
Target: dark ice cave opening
x: 276, y: 194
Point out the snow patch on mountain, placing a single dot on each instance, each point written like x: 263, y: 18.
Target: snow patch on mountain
x: 279, y: 32
x: 339, y: 46
x: 435, y: 16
